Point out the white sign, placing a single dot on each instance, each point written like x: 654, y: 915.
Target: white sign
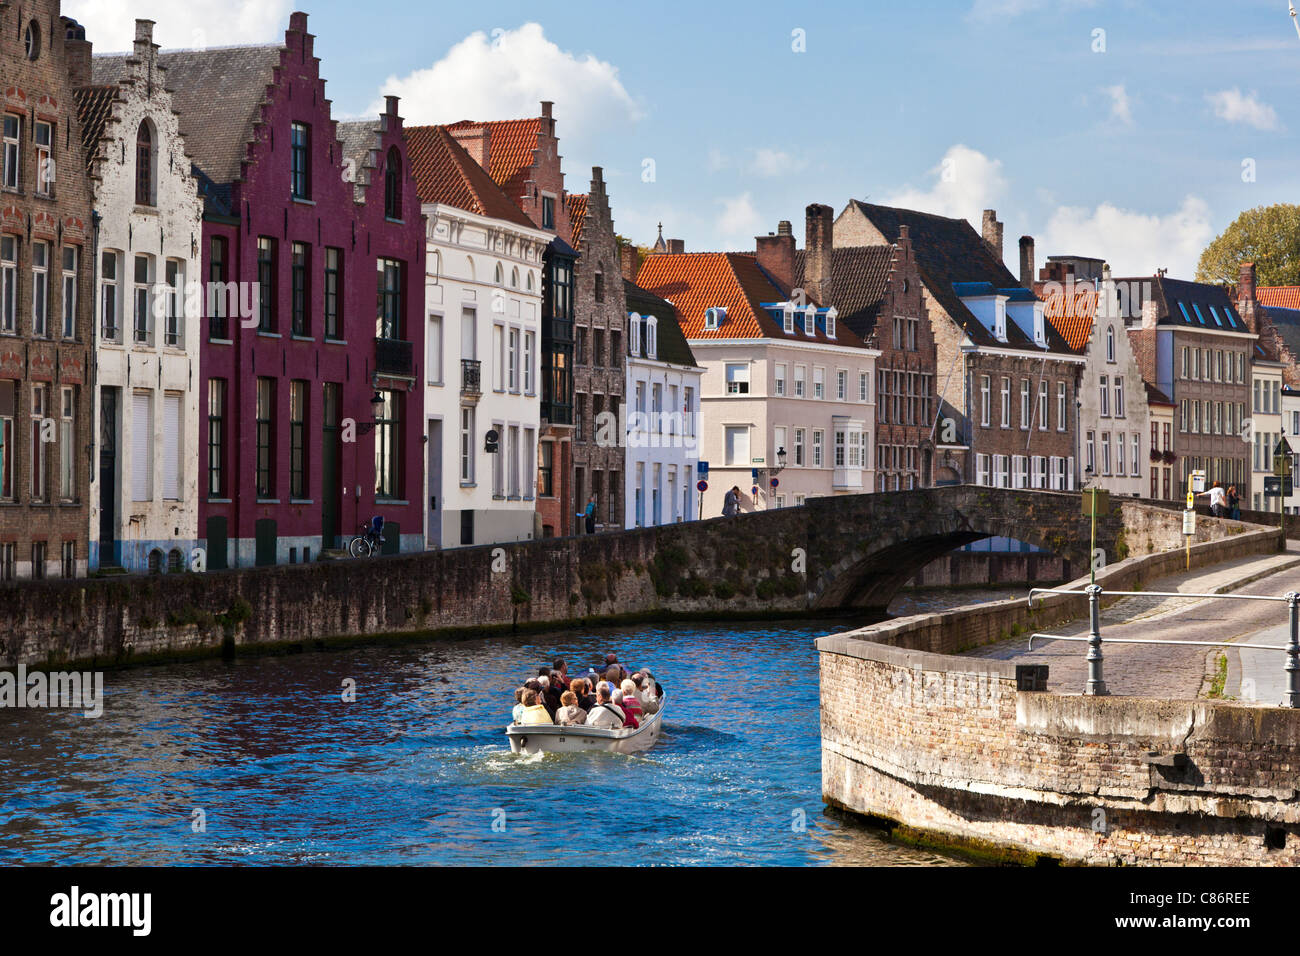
x: 1189, y: 522
x: 1198, y: 481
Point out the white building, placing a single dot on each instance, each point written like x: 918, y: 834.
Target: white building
x: 483, y: 297
x: 662, y: 419
x: 144, y: 492
x: 1266, y: 426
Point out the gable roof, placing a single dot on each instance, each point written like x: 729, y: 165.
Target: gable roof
x: 1287, y: 324
x: 1281, y: 296
x: 446, y: 173
x: 1179, y: 303
x: 511, y: 144
x: 577, y: 215
x: 859, y: 280
x: 94, y: 107
x: 218, y: 93
x: 950, y: 252
x: 695, y: 282
x: 672, y: 344
x: 1071, y: 315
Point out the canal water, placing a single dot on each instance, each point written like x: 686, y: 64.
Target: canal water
x: 260, y: 761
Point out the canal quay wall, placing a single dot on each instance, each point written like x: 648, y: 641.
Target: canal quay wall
x: 965, y: 752
x: 814, y: 559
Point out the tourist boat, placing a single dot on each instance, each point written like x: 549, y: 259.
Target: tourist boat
x: 551, y: 738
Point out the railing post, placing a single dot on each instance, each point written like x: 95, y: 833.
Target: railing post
x: 1096, y: 686
x: 1292, y: 698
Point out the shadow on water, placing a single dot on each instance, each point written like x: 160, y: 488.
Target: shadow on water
x: 416, y: 769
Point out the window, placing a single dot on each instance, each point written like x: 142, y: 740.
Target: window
x: 831, y: 315
x: 144, y: 165
x: 388, y: 324
x: 1060, y: 407
x: 1134, y: 460
x: 297, y: 439
x: 818, y: 440
x: 788, y: 316
x: 32, y: 47
x: 8, y: 413
x: 529, y: 469
x: 545, y: 470
x: 840, y: 456
x: 651, y: 337
x: 1187, y: 366
x: 1110, y: 343
x: 218, y: 301
x: 1042, y: 406
x: 467, y: 452
x: 265, y: 461
x: 982, y: 472
x: 8, y: 284
x: 142, y: 309
x: 1105, y: 453
x: 175, y: 332
x: 142, y: 445
x: 798, y: 446
x: 800, y: 372
x: 548, y: 212
x: 1105, y: 396
x: 1006, y: 402
x: 40, y: 288
x: 512, y: 360
x: 598, y: 348
x: 300, y: 259
x: 778, y: 386
x: 388, y: 446
x: 393, y: 185
x: 216, y: 436
x: 529, y: 348
x: 266, y: 291
x: 300, y: 160
x: 334, y: 295
x: 1119, y: 454
x: 1026, y: 407
x: 44, y: 159
x: 172, y: 445
x: 842, y: 385
x: 67, y: 444
x: 737, y: 445
x: 819, y: 383
x: 863, y: 380
x: 1119, y: 397
x: 1090, y: 452
x: 688, y: 411
x: 984, y: 400
x: 634, y: 338
x: 12, y: 150
x: 810, y: 321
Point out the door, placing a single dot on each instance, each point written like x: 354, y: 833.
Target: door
x: 331, y: 465
x: 217, y: 543
x: 108, y: 408
x: 265, y: 535
x: 433, y: 534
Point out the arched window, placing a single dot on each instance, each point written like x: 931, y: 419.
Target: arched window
x: 514, y: 278
x: 155, y: 561
x: 651, y: 337
x: 530, y: 280
x: 1110, y: 343
x: 393, y: 185
x: 500, y: 275
x: 144, y: 165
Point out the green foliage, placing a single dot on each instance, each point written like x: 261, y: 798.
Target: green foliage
x: 723, y: 590
x: 1268, y: 236
x: 518, y: 595
x: 693, y: 587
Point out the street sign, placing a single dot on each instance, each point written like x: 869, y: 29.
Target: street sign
x: 1283, y: 447
x: 776, y: 482
x: 1276, y: 487
x: 1198, y: 481
x: 1282, y: 465
x: 1191, y: 500
x: 754, y: 491
x: 1096, y: 502
x: 702, y: 467
x: 1189, y: 522
x: 701, y: 486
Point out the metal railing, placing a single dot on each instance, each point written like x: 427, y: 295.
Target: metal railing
x: 1096, y: 685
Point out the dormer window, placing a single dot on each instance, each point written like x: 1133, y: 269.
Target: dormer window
x: 1000, y: 320
x: 634, y: 339
x: 831, y: 315
x: 651, y: 337
x: 1040, y: 326
x: 788, y: 313
x: 810, y: 321
x: 714, y: 317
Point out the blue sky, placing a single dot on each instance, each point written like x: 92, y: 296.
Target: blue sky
x: 1127, y: 144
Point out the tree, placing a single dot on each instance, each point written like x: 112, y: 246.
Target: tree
x: 1268, y: 236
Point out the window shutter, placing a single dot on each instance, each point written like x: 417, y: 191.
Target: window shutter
x: 171, y: 447
x: 141, y: 442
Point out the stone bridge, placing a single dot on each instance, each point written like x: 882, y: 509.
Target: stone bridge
x: 832, y: 553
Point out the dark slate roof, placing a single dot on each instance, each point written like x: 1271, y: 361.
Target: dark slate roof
x: 1155, y: 396
x: 1182, y: 304
x: 859, y: 280
x: 950, y: 251
x: 672, y: 345
x: 94, y: 107
x: 218, y: 93
x: 360, y: 139
x: 445, y: 173
x: 1287, y: 324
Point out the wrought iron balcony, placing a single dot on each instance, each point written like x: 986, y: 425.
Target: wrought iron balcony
x: 470, y: 376
x: 394, y: 357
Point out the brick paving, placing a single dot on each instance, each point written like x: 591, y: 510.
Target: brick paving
x: 1169, y: 671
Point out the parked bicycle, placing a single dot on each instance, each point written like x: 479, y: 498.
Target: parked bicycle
x: 369, y: 542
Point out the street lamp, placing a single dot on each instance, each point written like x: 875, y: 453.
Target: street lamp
x: 376, y: 406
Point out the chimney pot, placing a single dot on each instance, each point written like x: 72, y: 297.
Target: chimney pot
x: 390, y: 105
x: 775, y: 253
x: 1027, y: 261
x: 819, y: 240
x: 783, y: 228
x: 1246, y: 302
x: 992, y: 233
x: 676, y: 246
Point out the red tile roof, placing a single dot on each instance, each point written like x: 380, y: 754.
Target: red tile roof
x: 697, y: 281
x: 445, y: 173
x: 577, y: 216
x: 1070, y: 310
x: 1279, y: 296
x: 511, y: 144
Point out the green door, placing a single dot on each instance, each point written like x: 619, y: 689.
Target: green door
x: 331, y: 464
x: 265, y: 535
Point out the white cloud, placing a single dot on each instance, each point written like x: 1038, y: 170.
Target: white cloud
x: 1120, y: 106
x: 774, y: 162
x: 1133, y: 243
x: 110, y: 24
x: 1235, y: 107
x: 966, y: 183
x: 506, y: 76
x: 739, y: 222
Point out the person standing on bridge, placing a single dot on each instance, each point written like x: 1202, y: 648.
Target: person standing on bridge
x: 1218, y: 500
x: 731, y: 502
x: 1234, y: 503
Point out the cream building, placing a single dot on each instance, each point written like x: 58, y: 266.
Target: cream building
x: 148, y: 215
x: 1264, y: 429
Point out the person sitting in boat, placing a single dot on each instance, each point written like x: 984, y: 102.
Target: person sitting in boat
x: 605, y: 714
x: 570, y: 714
x: 611, y: 661
x: 518, y: 712
x: 550, y: 697
x: 560, y: 672
x: 629, y: 720
x: 631, y: 703
x: 534, y: 712
x: 582, y: 690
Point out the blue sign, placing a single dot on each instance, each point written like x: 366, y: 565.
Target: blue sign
x: 702, y: 467
x: 701, y: 486
x: 776, y: 482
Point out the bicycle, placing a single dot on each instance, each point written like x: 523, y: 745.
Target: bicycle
x: 369, y: 541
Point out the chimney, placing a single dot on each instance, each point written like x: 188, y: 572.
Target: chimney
x: 818, y: 242
x: 80, y: 54
x: 143, y: 38
x: 992, y: 232
x: 597, y: 180
x: 676, y: 247
x: 390, y: 105
x: 1027, y: 261
x: 1246, y: 303
x: 629, y: 261
x: 548, y: 124
x: 476, y: 141
x: 776, y: 255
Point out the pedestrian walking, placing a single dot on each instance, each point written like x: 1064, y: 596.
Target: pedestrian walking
x: 1218, y: 500
x: 590, y: 514
x: 731, y: 502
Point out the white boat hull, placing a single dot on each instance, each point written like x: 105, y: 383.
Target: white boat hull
x: 551, y: 738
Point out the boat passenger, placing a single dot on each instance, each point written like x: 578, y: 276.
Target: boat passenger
x: 631, y: 704
x: 550, y: 697
x: 534, y: 712
x: 629, y: 720
x: 581, y: 689
x: 518, y: 712
x: 605, y: 713
x: 611, y: 660
x: 563, y: 670
x: 570, y: 714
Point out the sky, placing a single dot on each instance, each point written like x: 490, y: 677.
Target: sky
x: 1129, y: 131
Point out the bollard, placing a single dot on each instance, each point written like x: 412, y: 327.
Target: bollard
x: 1096, y: 686
x: 1292, y: 698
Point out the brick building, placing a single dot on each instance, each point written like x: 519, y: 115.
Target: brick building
x: 523, y: 158
x: 312, y: 421
x: 599, y: 358
x: 877, y: 291
x: 1007, y: 381
x: 145, y: 482
x: 45, y: 299
x: 1195, y: 345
